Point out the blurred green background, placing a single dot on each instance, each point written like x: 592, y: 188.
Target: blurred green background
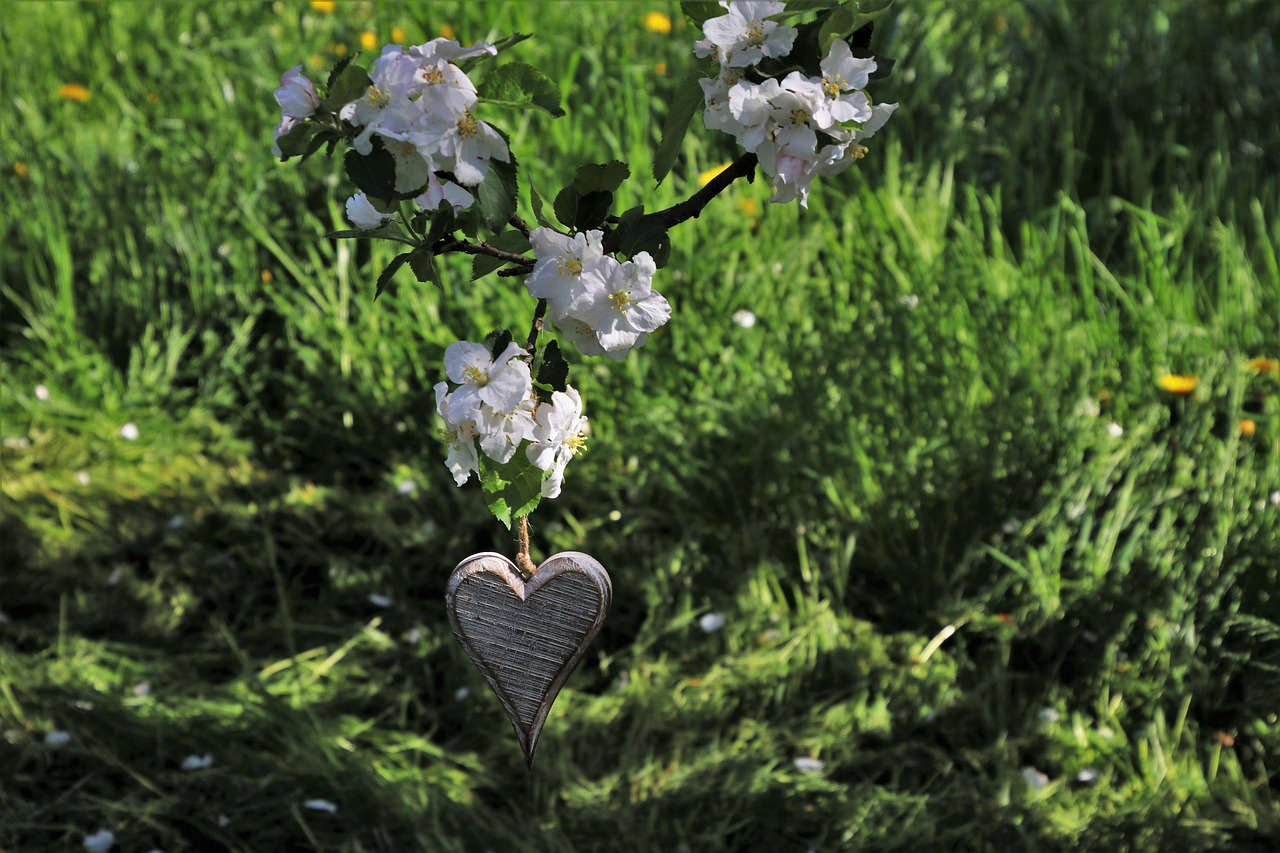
x: 926, y: 558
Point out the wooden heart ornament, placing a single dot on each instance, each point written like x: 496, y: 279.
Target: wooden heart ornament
x: 526, y: 636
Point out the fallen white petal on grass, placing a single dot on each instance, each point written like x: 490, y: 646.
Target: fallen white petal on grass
x: 82, y: 477
x: 462, y: 694
x: 1034, y: 777
x: 407, y: 487
x: 1087, y: 776
x: 100, y: 842
x: 711, y: 622
x: 197, y: 762
x: 805, y: 764
x: 319, y: 805
x: 129, y: 432
x: 42, y: 393
x: 1115, y: 430
x: 57, y: 738
x: 379, y: 600
x: 1275, y: 498
x: 744, y: 318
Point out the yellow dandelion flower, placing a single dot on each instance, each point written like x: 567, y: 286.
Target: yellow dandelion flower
x: 20, y: 169
x: 266, y: 276
x: 1269, y: 366
x: 153, y: 98
x: 398, y: 35
x: 657, y: 22
x: 709, y: 175
x: 748, y: 207
x: 324, y: 6
x: 1178, y: 385
x: 368, y: 41
x: 74, y: 92
x: 316, y: 62
x: 340, y: 50
x: 446, y: 32
x: 661, y: 68
x: 1248, y: 427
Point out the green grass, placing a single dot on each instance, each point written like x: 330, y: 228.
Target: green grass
x: 937, y: 565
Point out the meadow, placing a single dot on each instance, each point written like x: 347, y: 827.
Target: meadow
x: 969, y: 542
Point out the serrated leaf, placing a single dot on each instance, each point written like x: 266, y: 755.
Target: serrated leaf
x: 496, y: 194
x: 508, y: 241
x: 389, y: 273
x: 349, y: 85
x: 600, y: 177
x: 497, y: 341
x: 646, y: 236
x: 553, y: 373
x: 441, y: 223
x: 582, y: 211
x: 688, y: 100
x: 535, y: 202
x: 514, y: 488
x: 697, y: 12
x: 336, y: 71
x: 423, y: 263
x: 519, y: 84
x: 296, y: 139
x: 374, y: 173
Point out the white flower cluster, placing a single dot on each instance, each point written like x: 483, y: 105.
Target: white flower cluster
x: 799, y: 127
x: 604, y: 306
x: 494, y: 404
x: 422, y: 106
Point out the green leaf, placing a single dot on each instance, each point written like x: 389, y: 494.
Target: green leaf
x: 497, y: 341
x: 345, y: 86
x: 647, y: 235
x: 600, y: 177
x: 519, y: 84
x: 389, y: 273
x: 535, y: 202
x: 630, y: 217
x: 514, y: 488
x: 496, y: 194
x: 553, y: 373
x: 441, y: 223
x: 698, y: 11
x: 688, y: 100
x: 296, y: 140
x: 374, y: 173
x: 582, y: 212
x: 508, y: 241
x: 423, y: 263
x: 845, y: 20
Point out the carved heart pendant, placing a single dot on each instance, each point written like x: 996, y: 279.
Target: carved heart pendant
x: 526, y: 636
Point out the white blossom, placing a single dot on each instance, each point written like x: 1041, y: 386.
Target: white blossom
x: 363, y: 215
x: 627, y: 307
x: 743, y: 37
x: 560, y: 432
x: 296, y: 95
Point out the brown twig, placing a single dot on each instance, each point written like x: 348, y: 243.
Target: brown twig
x: 527, y: 568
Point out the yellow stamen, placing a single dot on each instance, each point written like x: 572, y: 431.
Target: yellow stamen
x: 468, y: 126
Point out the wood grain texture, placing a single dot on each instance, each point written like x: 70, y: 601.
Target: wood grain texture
x: 526, y: 637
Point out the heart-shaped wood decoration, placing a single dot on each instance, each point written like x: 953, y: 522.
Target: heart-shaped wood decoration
x: 526, y: 636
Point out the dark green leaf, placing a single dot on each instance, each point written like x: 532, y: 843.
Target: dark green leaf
x: 698, y: 11
x: 630, y: 217
x: 389, y: 273
x: 535, y: 201
x: 348, y: 85
x: 600, y: 177
x: 373, y: 174
x: 318, y: 141
x: 582, y: 212
x: 336, y: 71
x: 496, y: 194
x: 441, y: 222
x: 423, y: 263
x: 553, y: 372
x: 296, y: 139
x: 688, y: 100
x: 497, y: 341
x: 845, y: 20
x: 519, y: 84
x: 508, y: 241
x: 647, y: 235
